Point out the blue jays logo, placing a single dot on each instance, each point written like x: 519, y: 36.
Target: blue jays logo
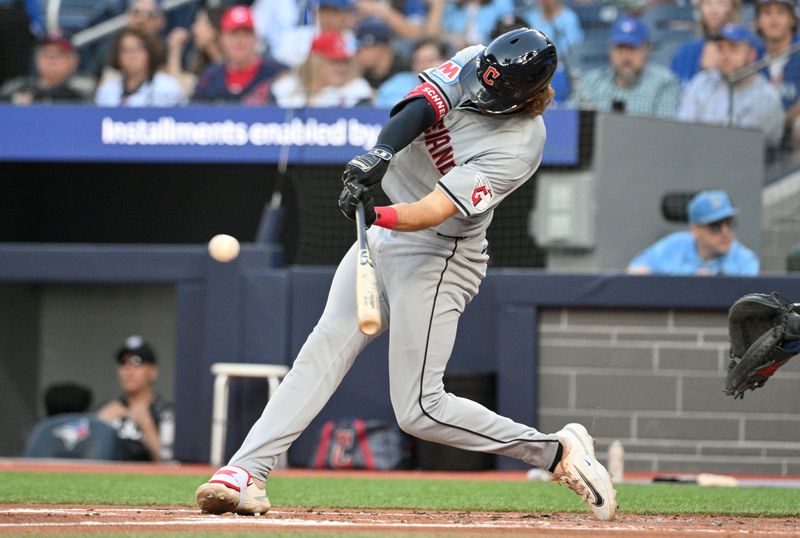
x: 73, y: 432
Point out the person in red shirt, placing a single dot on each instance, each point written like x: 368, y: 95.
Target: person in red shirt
x: 244, y: 76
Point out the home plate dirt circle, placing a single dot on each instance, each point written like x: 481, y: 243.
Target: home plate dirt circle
x: 55, y: 520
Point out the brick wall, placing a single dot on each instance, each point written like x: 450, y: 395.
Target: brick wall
x: 654, y: 380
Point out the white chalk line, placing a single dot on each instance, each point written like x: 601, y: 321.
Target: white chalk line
x: 353, y: 526
x: 198, y: 520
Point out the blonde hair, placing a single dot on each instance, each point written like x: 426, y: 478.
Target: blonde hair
x: 310, y: 73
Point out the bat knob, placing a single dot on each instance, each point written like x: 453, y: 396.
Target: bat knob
x: 369, y: 327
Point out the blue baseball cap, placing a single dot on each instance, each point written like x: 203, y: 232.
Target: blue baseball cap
x: 373, y: 31
x: 629, y: 31
x: 710, y: 206
x: 737, y: 33
x: 344, y: 5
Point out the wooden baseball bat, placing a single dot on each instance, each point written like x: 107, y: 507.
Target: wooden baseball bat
x: 367, y: 298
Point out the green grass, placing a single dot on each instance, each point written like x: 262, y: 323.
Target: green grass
x: 334, y: 492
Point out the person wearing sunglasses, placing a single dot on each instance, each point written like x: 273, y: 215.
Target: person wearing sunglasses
x: 144, y: 421
x: 709, y: 247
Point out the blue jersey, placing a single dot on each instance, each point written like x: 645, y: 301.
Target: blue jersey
x: 686, y: 60
x: 788, y: 82
x: 676, y: 254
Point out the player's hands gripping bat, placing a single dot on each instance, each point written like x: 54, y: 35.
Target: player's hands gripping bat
x: 367, y: 298
x: 368, y: 169
x: 351, y: 196
x: 764, y: 333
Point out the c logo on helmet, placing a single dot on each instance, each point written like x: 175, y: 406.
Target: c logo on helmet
x: 490, y: 75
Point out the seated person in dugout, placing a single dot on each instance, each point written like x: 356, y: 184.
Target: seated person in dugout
x: 709, y: 247
x: 143, y: 420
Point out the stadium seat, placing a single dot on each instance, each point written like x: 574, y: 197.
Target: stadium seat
x: 591, y: 52
x: 73, y: 435
x: 596, y: 16
x: 670, y: 22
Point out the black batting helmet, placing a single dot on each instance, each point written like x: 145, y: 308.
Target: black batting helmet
x: 511, y: 70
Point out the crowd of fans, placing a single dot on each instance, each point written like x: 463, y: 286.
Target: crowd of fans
x: 342, y: 53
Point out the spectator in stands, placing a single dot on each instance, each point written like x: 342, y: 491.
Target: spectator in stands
x: 328, y: 78
x: 427, y: 53
x: 54, y: 81
x: 776, y: 21
x: 147, y: 16
x: 375, y: 56
x: 701, y: 53
x: 408, y: 19
x: 205, y: 51
x: 709, y: 247
x: 325, y: 15
x: 276, y: 23
x: 20, y: 24
x: 143, y: 420
x: 558, y: 22
x: 244, y: 76
x: 630, y: 84
x: 756, y: 103
x: 136, y: 57
x: 469, y: 22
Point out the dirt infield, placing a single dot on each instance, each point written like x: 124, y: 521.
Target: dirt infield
x: 70, y: 519
x: 53, y: 520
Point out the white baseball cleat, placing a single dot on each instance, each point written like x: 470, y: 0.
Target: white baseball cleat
x: 232, y: 489
x: 580, y: 471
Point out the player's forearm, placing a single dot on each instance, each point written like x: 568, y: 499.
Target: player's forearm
x: 431, y: 211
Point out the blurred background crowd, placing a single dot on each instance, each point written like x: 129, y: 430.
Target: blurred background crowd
x: 713, y: 61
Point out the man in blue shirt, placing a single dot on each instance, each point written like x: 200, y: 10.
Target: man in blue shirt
x: 709, y: 247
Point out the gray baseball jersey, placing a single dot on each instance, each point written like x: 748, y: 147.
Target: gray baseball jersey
x: 477, y: 160
x: 425, y: 279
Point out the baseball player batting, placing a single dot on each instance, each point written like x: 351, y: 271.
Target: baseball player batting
x: 453, y: 149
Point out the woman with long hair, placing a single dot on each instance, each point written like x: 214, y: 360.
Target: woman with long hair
x: 328, y: 78
x: 136, y: 58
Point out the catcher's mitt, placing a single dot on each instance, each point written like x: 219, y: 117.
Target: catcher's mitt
x: 765, y: 333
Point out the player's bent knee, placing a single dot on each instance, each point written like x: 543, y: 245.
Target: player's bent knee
x: 418, y: 419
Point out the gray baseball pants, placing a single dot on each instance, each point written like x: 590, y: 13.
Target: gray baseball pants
x: 425, y: 282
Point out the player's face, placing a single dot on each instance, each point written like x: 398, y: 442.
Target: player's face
x: 135, y: 376
x: 239, y: 46
x: 733, y: 56
x: 628, y: 61
x: 715, y: 238
x: 133, y: 57
x: 55, y: 64
x: 775, y: 21
x: 715, y: 14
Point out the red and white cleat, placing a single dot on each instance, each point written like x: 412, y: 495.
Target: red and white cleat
x: 232, y: 489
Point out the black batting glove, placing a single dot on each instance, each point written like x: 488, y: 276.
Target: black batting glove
x: 368, y: 169
x: 352, y: 194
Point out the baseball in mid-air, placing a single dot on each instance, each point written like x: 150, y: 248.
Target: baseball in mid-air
x: 223, y: 248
